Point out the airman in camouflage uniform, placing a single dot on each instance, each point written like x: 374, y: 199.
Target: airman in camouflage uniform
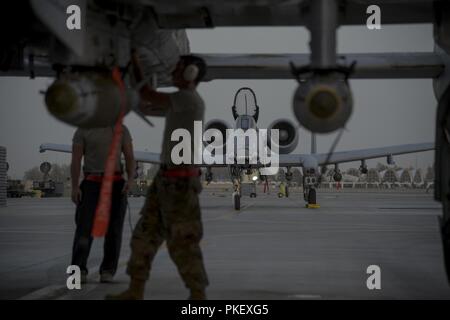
x: 171, y: 211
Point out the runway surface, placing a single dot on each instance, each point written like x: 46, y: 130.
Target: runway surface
x: 272, y: 249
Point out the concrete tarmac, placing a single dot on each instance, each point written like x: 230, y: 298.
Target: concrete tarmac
x: 272, y: 249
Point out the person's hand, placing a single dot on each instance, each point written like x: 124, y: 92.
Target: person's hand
x: 76, y: 195
x: 127, y: 186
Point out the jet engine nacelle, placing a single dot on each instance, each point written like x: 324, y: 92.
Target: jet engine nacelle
x: 323, y: 104
x: 220, y: 125
x: 287, y: 134
x: 88, y: 101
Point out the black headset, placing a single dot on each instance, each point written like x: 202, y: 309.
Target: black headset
x: 233, y: 108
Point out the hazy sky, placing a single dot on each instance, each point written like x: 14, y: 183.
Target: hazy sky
x: 386, y: 112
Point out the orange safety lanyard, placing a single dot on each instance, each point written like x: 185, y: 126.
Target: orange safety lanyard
x: 102, y: 213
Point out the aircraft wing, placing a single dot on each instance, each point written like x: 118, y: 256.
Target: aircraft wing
x: 148, y: 157
x: 293, y: 160
x: 287, y: 159
x: 55, y: 147
x: 356, y: 155
x: 139, y: 156
x: 173, y: 14
x: 162, y: 38
x: 390, y: 65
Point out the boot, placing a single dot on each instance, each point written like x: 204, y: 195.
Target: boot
x: 134, y: 292
x: 106, y: 277
x: 197, y: 294
x: 83, y: 278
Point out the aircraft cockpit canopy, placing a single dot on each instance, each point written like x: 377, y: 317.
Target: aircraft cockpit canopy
x: 245, y: 104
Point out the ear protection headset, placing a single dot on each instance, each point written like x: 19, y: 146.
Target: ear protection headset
x: 190, y: 72
x: 233, y: 108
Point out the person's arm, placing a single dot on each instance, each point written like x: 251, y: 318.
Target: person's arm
x: 75, y: 169
x: 154, y: 101
x: 127, y: 149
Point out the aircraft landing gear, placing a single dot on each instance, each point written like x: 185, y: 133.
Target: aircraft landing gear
x: 289, y: 175
x: 208, y: 175
x: 309, y: 195
x: 309, y: 192
x: 312, y: 196
x: 235, y: 174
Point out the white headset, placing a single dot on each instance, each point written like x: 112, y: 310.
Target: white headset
x: 190, y: 72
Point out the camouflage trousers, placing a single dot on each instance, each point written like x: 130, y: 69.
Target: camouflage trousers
x: 171, y: 213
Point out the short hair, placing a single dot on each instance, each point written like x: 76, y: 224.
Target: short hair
x: 198, y: 62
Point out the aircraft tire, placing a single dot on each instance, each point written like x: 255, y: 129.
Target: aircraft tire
x: 312, y: 196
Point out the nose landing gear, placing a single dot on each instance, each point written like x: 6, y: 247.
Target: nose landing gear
x: 309, y: 191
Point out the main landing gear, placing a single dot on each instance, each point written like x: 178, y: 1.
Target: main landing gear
x: 235, y: 174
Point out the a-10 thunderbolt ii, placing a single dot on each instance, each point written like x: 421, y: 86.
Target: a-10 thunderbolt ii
x: 44, y: 38
x: 240, y: 153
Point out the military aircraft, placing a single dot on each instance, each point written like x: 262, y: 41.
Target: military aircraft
x: 45, y: 42
x: 245, y: 111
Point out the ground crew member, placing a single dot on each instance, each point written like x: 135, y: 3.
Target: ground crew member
x: 171, y: 211
x: 93, y: 145
x: 281, y: 190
